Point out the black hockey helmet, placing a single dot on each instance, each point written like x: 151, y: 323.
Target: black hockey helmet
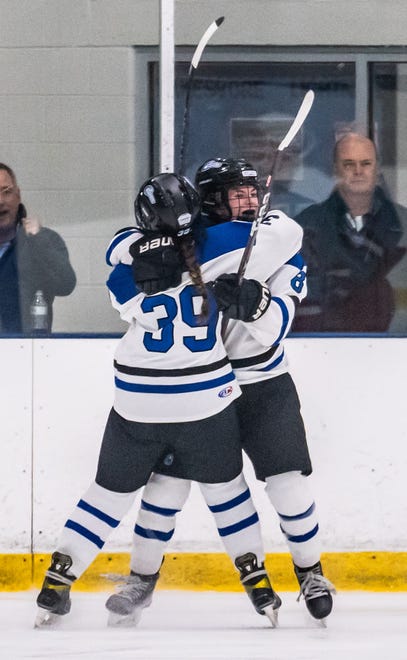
x: 167, y: 203
x: 214, y: 178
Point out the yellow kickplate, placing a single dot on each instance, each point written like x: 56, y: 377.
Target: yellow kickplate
x: 374, y: 571
x: 16, y: 572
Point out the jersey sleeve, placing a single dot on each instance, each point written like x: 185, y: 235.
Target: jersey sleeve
x: 278, y: 240
x: 123, y: 292
x: 118, y: 249
x: 288, y: 286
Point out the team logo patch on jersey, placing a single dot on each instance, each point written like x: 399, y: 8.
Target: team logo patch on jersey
x: 227, y: 391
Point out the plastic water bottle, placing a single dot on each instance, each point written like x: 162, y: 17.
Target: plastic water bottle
x: 39, y: 314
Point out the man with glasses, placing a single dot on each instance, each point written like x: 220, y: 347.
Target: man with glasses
x: 32, y: 259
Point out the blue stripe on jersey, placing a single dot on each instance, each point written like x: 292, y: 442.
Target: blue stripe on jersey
x: 112, y: 522
x: 237, y: 527
x: 301, y: 538
x: 297, y: 260
x: 153, y: 533
x: 116, y: 240
x: 225, y: 506
x: 274, y: 364
x: 286, y: 318
x: 121, y: 283
x: 173, y: 389
x: 83, y: 531
x: 224, y: 238
x: 158, y: 509
x: 299, y: 516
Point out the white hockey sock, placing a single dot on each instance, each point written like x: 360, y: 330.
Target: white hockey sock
x: 163, y: 497
x: 235, y: 516
x: 291, y: 497
x: 95, y: 516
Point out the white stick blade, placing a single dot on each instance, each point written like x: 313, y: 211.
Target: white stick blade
x: 301, y: 116
x: 204, y: 40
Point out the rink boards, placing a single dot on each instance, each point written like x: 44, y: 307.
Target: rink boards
x: 55, y: 396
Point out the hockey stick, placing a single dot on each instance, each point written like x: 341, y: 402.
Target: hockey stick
x: 193, y: 66
x: 299, y: 119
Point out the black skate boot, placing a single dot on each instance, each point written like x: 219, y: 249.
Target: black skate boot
x: 136, y: 593
x: 316, y: 590
x: 257, y: 586
x: 54, y: 598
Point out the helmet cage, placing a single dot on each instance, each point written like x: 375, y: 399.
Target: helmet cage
x: 218, y: 175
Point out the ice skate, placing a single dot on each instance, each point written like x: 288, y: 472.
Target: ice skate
x: 126, y: 606
x: 257, y: 586
x: 54, y: 598
x: 316, y: 590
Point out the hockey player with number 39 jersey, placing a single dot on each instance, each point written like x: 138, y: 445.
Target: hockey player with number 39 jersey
x: 175, y: 395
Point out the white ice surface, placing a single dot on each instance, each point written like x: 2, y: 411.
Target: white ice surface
x: 183, y: 625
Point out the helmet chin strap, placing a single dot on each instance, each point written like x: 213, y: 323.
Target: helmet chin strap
x: 248, y: 216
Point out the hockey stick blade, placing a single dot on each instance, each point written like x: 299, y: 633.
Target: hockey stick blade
x: 203, y: 41
x: 196, y: 58
x: 299, y: 119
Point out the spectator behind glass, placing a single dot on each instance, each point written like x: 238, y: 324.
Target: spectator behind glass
x: 32, y: 258
x: 350, y: 246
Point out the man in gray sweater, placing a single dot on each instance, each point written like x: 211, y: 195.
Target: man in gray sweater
x: 32, y: 258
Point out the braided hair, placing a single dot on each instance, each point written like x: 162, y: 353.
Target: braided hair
x: 187, y: 248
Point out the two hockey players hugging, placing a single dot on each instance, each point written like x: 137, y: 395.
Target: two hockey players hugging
x: 180, y: 385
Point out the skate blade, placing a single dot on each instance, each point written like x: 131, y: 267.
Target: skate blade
x: 312, y: 622
x: 320, y: 623
x: 124, y: 620
x: 272, y: 615
x: 46, y: 619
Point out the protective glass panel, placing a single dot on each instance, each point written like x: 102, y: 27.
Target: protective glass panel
x: 245, y: 109
x: 389, y: 127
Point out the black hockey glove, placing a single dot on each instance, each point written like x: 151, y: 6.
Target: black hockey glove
x: 245, y: 302
x: 156, y: 264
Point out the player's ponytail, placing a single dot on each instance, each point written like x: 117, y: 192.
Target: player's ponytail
x: 187, y: 248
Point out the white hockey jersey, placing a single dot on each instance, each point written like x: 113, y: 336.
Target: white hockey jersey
x: 167, y: 366
x: 256, y: 349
